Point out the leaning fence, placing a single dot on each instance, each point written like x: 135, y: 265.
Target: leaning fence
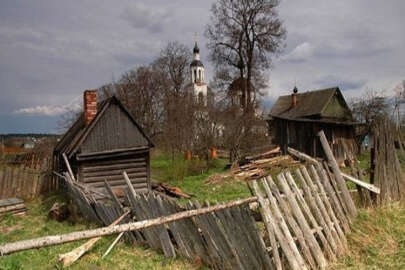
x: 305, y: 221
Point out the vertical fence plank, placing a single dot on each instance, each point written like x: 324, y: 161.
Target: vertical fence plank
x: 333, y: 199
x: 329, y: 208
x: 297, y: 261
x: 268, y: 222
x: 285, y: 208
x: 308, y: 235
x: 321, y: 206
x: 311, y: 216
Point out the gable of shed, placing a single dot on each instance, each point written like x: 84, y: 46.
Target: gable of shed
x: 337, y: 108
x: 114, y: 130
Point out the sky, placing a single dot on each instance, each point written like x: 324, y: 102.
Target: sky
x: 51, y: 51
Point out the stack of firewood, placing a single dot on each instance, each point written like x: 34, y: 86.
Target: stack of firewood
x: 259, y: 164
x: 12, y: 206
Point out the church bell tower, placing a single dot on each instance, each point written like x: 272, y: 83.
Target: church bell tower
x: 197, y: 74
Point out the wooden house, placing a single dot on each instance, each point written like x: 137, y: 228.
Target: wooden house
x: 103, y: 142
x: 296, y: 119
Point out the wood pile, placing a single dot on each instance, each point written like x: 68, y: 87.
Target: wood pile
x: 259, y: 164
x: 12, y: 206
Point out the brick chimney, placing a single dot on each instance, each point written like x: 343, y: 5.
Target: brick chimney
x: 89, y: 105
x: 294, y: 97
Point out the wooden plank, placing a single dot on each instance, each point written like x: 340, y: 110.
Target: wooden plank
x: 344, y: 220
x: 222, y: 255
x: 320, y: 232
x: 321, y: 200
x: 294, y: 257
x: 129, y: 184
x: 130, y: 149
x: 338, y: 174
x: 167, y: 245
x: 255, y: 234
x: 268, y: 222
x: 100, y: 165
x: 2, y: 180
x: 68, y: 166
x: 141, y: 175
x: 319, y: 210
x: 329, y: 208
x: 285, y: 208
x: 106, y: 173
x: 365, y: 185
x: 302, y: 156
x: 337, y: 191
x: 239, y: 242
x: 308, y: 235
x: 114, y: 184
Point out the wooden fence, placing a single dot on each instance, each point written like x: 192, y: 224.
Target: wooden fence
x: 26, y: 181
x: 305, y: 216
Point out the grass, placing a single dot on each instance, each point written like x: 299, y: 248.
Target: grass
x: 191, y: 177
x: 377, y: 240
x: 36, y: 224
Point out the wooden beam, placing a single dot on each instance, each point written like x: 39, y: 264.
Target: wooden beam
x: 68, y: 166
x: 132, y: 226
x: 302, y: 156
x: 338, y: 174
x: 115, y: 151
x: 365, y: 185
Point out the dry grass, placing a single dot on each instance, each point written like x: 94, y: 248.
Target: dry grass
x: 377, y: 240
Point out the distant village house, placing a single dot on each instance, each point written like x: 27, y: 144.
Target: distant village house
x: 296, y: 119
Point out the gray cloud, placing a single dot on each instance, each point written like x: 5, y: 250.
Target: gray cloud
x: 152, y: 19
x: 50, y: 51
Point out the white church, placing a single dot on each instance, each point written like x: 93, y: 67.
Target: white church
x: 199, y: 87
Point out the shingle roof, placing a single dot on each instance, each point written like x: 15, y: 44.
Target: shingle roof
x: 76, y: 134
x: 308, y: 104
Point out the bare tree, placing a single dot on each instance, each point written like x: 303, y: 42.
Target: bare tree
x: 142, y: 93
x: 371, y: 106
x: 242, y: 35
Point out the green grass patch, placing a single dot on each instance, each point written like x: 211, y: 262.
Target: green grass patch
x: 377, y: 240
x: 191, y: 177
x: 36, y: 224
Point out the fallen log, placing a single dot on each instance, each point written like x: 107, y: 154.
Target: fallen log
x: 72, y: 256
x: 132, y: 226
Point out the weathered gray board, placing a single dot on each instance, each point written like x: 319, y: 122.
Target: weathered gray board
x: 306, y: 227
x: 12, y: 206
x: 227, y: 239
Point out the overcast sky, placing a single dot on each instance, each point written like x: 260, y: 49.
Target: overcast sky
x: 50, y: 51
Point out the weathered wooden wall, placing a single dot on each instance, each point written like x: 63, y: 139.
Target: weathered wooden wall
x: 94, y: 172
x: 113, y: 131
x: 303, y: 137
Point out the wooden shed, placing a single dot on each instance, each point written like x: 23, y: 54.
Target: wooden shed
x: 296, y: 119
x: 103, y: 142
